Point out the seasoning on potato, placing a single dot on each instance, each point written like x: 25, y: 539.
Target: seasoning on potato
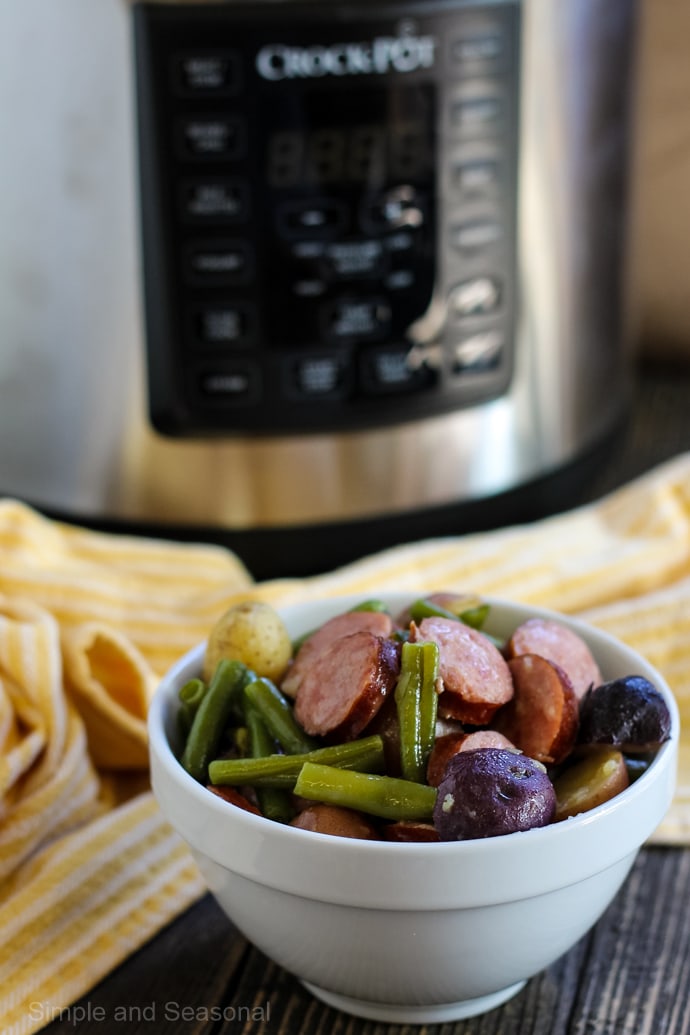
x: 251, y: 632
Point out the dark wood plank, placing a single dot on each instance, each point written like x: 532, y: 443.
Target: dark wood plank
x: 630, y: 975
x: 637, y: 978
x: 189, y: 965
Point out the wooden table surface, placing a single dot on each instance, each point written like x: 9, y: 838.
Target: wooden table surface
x: 630, y: 975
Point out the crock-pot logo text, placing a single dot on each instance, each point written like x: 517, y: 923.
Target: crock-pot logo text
x: 405, y: 53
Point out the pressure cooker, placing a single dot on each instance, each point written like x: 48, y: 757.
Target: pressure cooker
x: 380, y: 260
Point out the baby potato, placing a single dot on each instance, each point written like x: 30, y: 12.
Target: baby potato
x: 253, y: 633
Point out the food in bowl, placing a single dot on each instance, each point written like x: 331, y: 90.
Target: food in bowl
x: 415, y: 725
x: 412, y: 931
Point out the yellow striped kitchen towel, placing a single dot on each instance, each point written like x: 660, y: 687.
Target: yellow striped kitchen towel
x: 89, y: 621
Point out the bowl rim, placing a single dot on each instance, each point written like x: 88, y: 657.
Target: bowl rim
x: 251, y: 851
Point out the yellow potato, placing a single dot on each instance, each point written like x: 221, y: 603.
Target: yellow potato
x: 251, y: 632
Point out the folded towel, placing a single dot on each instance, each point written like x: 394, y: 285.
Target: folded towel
x: 89, y: 870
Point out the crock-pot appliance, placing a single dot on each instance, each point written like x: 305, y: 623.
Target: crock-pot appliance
x: 383, y: 266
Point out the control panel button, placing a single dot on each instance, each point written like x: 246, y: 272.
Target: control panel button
x: 219, y: 137
x: 313, y: 217
x: 318, y: 377
x: 475, y: 297
x: 235, y: 384
x: 222, y: 324
x: 396, y: 209
x: 203, y: 74
x: 480, y: 351
x: 476, y: 234
x: 309, y: 288
x: 307, y: 249
x: 388, y: 368
x: 475, y: 176
x: 356, y: 318
x: 225, y: 200
x: 398, y: 280
x: 476, y: 114
x: 478, y: 51
x: 217, y: 262
x: 402, y: 241
x: 345, y: 260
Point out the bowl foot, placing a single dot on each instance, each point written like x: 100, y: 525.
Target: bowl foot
x: 433, y: 1013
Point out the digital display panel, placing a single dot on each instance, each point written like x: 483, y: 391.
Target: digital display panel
x: 356, y: 138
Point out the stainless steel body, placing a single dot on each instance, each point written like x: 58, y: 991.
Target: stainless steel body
x: 75, y: 431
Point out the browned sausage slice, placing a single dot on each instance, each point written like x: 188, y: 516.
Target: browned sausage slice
x: 542, y: 718
x: 475, y: 679
x: 487, y: 739
x: 377, y: 622
x: 334, y: 819
x: 559, y: 644
x: 344, y: 684
x: 451, y: 743
x: 440, y: 755
x: 234, y: 797
x: 410, y: 830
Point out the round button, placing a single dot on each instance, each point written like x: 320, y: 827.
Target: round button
x: 475, y: 297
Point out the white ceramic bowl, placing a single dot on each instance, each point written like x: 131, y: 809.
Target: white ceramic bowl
x: 412, y: 933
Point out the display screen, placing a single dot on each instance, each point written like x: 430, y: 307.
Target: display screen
x: 360, y: 138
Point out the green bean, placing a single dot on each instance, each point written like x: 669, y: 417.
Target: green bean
x: 416, y: 701
x: 428, y: 703
x: 407, y: 707
x: 190, y: 697
x: 371, y: 605
x: 193, y: 692
x: 211, y: 717
x: 424, y: 608
x: 281, y: 771
x: 475, y: 617
x: 385, y: 796
x: 240, y: 740
x: 276, y: 712
x: 274, y: 804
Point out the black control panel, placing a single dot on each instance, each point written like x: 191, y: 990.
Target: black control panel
x: 328, y: 199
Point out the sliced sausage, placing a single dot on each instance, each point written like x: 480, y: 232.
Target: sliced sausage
x: 344, y: 684
x: 410, y: 830
x: 445, y: 725
x: 475, y: 679
x: 334, y: 819
x: 441, y: 753
x: 487, y: 739
x: 452, y: 743
x: 377, y: 622
x: 559, y: 644
x: 234, y: 797
x: 542, y: 718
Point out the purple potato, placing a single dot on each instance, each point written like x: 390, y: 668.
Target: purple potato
x: 628, y: 713
x: 492, y: 791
